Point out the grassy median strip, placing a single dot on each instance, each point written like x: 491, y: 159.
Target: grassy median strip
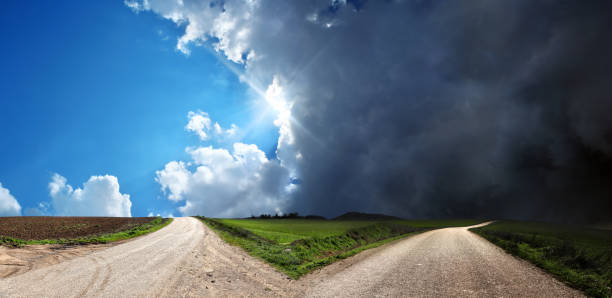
x: 135, y: 231
x: 299, y: 246
x: 328, y: 240
x: 581, y: 257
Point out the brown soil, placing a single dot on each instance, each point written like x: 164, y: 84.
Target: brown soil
x: 46, y: 227
x: 15, y: 261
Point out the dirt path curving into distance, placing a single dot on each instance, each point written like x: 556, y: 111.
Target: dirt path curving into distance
x: 187, y: 259
x: 451, y: 262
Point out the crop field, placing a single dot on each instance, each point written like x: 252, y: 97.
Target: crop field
x: 298, y: 246
x: 17, y: 231
x: 440, y: 223
x: 285, y: 231
x: 580, y: 256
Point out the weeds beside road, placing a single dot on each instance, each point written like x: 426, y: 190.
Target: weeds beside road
x: 579, y: 256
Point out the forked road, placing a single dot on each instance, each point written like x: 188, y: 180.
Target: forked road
x: 187, y: 259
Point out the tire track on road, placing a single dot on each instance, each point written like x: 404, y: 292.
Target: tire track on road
x: 94, y: 278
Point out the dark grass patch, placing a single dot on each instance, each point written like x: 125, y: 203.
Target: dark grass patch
x: 579, y: 256
x: 439, y: 223
x: 18, y: 231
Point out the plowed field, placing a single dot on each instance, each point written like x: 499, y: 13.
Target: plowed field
x: 46, y: 227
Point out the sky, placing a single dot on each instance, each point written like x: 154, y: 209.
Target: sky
x: 233, y: 108
x: 95, y: 89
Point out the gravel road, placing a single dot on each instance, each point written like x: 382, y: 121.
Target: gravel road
x: 450, y: 262
x: 186, y: 259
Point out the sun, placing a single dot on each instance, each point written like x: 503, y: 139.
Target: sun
x: 275, y: 97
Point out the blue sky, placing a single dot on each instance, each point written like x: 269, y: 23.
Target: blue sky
x: 92, y: 88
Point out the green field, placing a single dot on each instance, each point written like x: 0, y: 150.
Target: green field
x: 579, y: 256
x: 298, y: 246
x: 440, y: 223
x: 285, y: 231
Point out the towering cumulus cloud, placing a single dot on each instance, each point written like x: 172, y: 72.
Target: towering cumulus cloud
x: 8, y: 204
x: 99, y: 196
x: 423, y: 108
x: 218, y: 182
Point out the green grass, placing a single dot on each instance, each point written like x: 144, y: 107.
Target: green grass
x: 439, y: 223
x: 298, y: 246
x: 152, y: 226
x: 285, y: 231
x: 579, y: 256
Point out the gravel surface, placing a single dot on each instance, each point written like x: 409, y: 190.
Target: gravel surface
x: 15, y: 261
x: 186, y: 259
x: 450, y: 262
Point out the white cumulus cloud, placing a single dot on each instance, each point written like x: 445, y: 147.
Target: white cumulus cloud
x: 100, y: 196
x: 166, y: 215
x: 8, y: 204
x: 227, y: 21
x: 286, y: 150
x: 222, y: 183
x: 200, y: 124
x: 242, y: 181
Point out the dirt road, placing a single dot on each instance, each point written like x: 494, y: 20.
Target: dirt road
x: 450, y: 262
x: 186, y: 259
x: 182, y: 259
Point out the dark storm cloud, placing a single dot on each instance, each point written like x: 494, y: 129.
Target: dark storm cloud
x: 439, y: 108
x: 481, y: 108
